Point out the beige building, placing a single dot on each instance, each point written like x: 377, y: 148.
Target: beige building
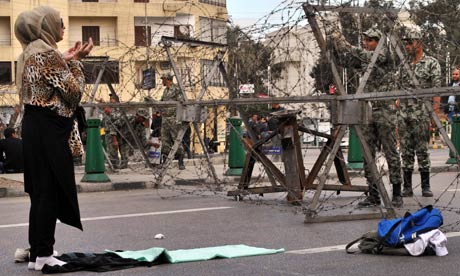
x: 122, y: 30
x: 297, y: 50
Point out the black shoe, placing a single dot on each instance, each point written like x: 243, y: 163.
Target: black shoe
x: 369, y: 201
x: 181, y: 167
x: 426, y: 192
x: 407, y: 192
x: 397, y: 201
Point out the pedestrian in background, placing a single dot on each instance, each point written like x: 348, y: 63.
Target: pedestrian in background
x: 11, y: 155
x: 186, y: 141
x: 451, y: 103
x: 414, y: 117
x: 156, y: 124
x: 50, y: 85
x: 254, y: 126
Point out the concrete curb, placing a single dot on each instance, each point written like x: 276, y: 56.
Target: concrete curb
x: 138, y: 185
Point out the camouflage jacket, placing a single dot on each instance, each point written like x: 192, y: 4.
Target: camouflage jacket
x: 380, y: 78
x: 428, y: 74
x: 171, y: 94
x: 109, y: 122
x: 138, y: 129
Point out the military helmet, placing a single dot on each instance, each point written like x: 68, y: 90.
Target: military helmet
x: 143, y: 113
x: 168, y: 76
x: 412, y: 35
x: 373, y: 33
x: 115, y: 97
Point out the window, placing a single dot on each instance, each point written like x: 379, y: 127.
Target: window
x: 213, y: 30
x: 221, y: 3
x: 165, y: 65
x: 91, y: 31
x: 111, y: 72
x: 5, y: 72
x: 140, y: 38
x: 217, y: 79
x: 182, y: 31
x: 186, y: 76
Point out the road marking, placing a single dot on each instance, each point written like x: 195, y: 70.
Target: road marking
x: 133, y: 215
x: 317, y: 250
x: 342, y: 247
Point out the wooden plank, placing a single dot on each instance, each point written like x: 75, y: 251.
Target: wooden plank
x: 334, y: 187
x: 347, y: 217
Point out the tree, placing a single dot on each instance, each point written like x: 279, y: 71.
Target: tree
x: 439, y: 21
x: 352, y: 25
x: 248, y: 62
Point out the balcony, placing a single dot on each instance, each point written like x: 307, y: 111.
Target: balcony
x: 96, y: 1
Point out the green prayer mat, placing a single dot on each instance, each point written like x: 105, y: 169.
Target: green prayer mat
x: 197, y: 254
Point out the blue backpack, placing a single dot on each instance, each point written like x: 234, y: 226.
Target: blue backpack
x: 396, y: 232
x: 391, y: 234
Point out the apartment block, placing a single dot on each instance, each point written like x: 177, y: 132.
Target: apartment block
x: 127, y: 34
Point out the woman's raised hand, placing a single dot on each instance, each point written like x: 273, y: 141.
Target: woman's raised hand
x: 79, y: 51
x: 70, y: 54
x: 85, y: 49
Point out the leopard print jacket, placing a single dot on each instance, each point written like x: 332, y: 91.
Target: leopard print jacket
x: 48, y: 81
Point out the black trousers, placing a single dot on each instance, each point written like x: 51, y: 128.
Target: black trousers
x: 42, y: 219
x: 48, y: 177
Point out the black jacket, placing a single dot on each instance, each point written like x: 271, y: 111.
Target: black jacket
x: 445, y: 106
x: 11, y: 155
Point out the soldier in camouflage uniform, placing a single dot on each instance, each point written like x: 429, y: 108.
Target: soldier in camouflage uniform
x: 139, y: 124
x: 414, y: 117
x: 381, y: 130
x: 170, y: 127
x: 110, y: 117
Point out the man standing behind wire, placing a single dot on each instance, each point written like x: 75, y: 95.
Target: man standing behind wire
x: 381, y: 130
x: 170, y: 128
x: 414, y: 117
x: 450, y: 103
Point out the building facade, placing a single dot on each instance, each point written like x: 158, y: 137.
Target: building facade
x: 126, y: 34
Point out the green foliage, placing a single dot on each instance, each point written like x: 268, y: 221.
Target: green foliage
x: 248, y: 63
x: 352, y: 25
x: 439, y: 21
x: 249, y: 60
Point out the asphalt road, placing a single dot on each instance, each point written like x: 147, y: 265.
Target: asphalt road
x: 130, y: 220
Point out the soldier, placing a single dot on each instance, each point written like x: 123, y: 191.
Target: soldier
x: 139, y: 123
x: 170, y: 127
x: 110, y: 117
x: 414, y: 117
x: 381, y: 130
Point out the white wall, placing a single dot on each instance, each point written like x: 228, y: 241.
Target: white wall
x: 164, y: 26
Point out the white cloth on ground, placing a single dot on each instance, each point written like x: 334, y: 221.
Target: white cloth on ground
x: 434, y: 238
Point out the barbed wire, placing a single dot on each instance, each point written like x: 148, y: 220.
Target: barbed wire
x: 285, y: 33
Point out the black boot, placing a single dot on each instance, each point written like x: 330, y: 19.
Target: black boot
x: 373, y: 199
x: 397, y: 200
x: 407, y: 178
x: 426, y: 192
x: 180, y: 160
